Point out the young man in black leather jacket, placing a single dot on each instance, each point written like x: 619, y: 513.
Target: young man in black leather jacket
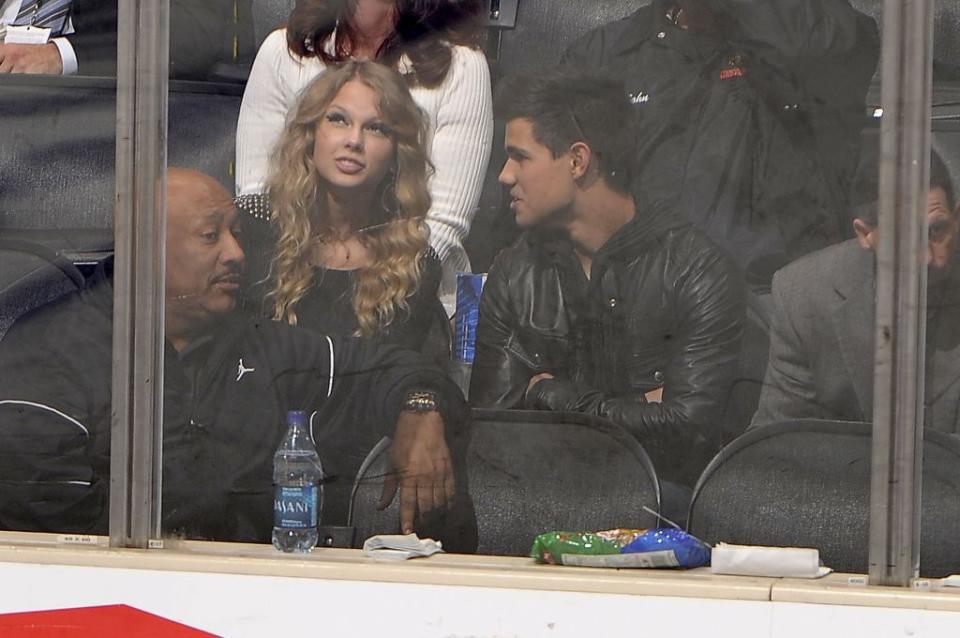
x: 604, y: 306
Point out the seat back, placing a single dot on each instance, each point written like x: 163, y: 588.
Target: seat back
x: 30, y: 276
x: 534, y: 472
x: 946, y: 27
x: 269, y: 15
x: 807, y: 484
x: 364, y: 517
x: 58, y: 141
x: 57, y: 169
x: 940, y: 505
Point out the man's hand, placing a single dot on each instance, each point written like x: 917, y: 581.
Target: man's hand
x: 422, y: 468
x: 30, y: 58
x: 537, y: 378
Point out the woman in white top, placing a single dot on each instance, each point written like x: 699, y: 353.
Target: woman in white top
x: 433, y: 43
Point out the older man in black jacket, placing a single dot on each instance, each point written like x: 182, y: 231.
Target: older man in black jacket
x: 749, y: 116
x: 605, y: 306
x: 229, y: 381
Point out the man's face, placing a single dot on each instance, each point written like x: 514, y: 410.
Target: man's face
x: 204, y: 259
x: 541, y: 187
x: 942, y: 230
x: 942, y: 225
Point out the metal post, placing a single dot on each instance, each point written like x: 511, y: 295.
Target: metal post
x: 901, y: 292
x: 140, y: 228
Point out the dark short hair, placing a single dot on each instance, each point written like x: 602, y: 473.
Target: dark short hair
x: 864, y: 196
x: 425, y: 31
x: 940, y: 178
x: 566, y: 107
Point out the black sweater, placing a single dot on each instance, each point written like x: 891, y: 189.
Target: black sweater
x: 327, y: 308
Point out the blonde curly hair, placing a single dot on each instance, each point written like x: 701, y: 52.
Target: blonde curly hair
x: 395, y: 236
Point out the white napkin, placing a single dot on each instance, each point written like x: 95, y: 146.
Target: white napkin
x: 400, y: 546
x: 756, y: 560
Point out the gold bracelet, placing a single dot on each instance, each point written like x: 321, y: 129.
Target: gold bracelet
x: 420, y: 401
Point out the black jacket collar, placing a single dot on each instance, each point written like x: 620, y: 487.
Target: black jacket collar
x: 646, y: 227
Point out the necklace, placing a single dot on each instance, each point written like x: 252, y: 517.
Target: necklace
x: 327, y: 249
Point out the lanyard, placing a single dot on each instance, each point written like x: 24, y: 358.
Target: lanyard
x: 36, y: 12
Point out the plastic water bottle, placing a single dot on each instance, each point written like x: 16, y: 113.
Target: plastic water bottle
x: 298, y: 493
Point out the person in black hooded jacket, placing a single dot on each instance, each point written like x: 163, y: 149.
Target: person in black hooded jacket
x: 604, y: 306
x: 228, y: 382
x: 749, y: 115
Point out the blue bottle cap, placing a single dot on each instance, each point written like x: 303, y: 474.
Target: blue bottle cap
x: 298, y: 417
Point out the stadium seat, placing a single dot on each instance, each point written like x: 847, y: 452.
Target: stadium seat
x: 534, y: 472
x: 269, y: 15
x: 30, y: 276
x: 59, y: 148
x: 807, y: 484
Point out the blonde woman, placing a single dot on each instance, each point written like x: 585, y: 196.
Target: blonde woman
x: 434, y: 44
x: 339, y: 245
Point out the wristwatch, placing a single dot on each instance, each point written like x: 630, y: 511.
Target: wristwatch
x: 420, y: 401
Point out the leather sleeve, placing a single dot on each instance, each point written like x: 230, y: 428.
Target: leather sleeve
x: 500, y: 374
x: 698, y: 377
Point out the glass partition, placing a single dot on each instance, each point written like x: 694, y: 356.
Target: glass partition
x: 56, y: 238
x: 938, y: 260
x: 677, y: 208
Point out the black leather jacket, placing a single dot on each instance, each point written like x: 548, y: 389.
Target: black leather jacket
x: 664, y: 307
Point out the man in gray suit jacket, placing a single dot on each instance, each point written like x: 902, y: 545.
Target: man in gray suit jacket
x: 822, y: 324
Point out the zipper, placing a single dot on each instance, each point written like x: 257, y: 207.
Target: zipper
x: 203, y: 380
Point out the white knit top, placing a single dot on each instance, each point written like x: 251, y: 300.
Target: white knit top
x: 460, y: 133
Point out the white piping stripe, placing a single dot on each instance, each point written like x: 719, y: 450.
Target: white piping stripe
x: 330, y: 384
x: 47, y: 407
x: 312, y: 438
x: 84, y: 483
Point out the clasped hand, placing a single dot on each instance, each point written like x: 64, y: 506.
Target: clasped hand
x: 30, y: 58
x: 422, y: 468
